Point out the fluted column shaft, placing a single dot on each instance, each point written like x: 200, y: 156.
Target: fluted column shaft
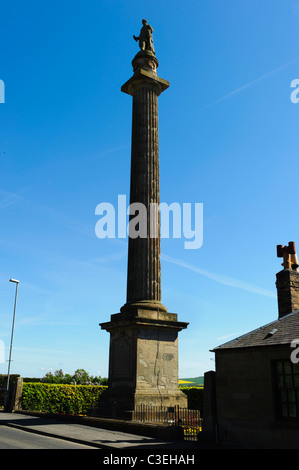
x: 144, y: 269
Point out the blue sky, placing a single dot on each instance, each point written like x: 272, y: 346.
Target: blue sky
x: 228, y: 139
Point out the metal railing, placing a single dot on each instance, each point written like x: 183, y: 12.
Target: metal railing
x: 189, y: 420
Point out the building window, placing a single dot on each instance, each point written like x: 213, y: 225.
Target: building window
x: 287, y: 384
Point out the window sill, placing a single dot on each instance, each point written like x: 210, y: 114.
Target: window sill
x: 286, y: 424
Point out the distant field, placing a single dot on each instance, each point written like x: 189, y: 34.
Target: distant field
x: 196, y: 381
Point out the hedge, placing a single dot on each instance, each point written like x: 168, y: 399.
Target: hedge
x: 60, y: 398
x: 195, y: 397
x: 77, y: 399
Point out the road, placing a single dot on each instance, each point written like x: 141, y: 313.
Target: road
x: 11, y: 438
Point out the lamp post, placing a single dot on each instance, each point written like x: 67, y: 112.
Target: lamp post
x: 12, y: 331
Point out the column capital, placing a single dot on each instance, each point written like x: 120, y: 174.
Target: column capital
x: 142, y: 318
x: 144, y: 77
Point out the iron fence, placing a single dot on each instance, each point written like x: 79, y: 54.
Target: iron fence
x: 189, y: 420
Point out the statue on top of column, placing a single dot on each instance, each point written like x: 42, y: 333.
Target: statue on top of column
x: 145, y: 37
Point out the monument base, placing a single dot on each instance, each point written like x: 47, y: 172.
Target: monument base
x: 143, y: 357
x: 151, y: 399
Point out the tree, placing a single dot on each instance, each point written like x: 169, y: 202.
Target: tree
x: 80, y: 377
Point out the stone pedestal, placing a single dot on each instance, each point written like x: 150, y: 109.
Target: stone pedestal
x: 143, y: 358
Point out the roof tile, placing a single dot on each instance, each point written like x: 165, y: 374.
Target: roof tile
x: 281, y: 331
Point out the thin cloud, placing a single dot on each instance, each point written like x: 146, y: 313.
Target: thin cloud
x: 252, y: 82
x: 226, y: 280
x: 109, y: 258
x: 229, y: 336
x: 8, y: 199
x: 39, y: 350
x: 107, y: 152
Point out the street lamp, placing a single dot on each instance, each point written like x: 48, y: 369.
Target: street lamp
x: 12, y: 331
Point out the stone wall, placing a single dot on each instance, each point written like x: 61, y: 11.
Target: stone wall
x: 287, y: 284
x: 245, y: 399
x: 14, y: 393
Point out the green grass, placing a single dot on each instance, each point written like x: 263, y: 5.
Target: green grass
x: 191, y: 381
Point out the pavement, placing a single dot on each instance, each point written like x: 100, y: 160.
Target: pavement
x: 88, y: 435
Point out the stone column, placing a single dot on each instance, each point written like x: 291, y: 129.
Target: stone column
x: 144, y: 269
x: 143, y: 356
x: 144, y: 277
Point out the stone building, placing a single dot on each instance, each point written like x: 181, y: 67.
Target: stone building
x: 252, y: 399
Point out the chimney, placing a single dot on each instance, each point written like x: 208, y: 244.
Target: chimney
x: 287, y: 280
